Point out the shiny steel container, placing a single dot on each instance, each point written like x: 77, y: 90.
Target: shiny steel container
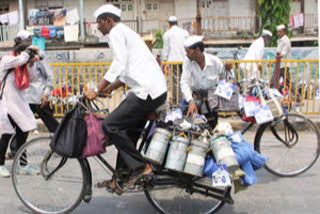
x: 196, y: 157
x: 177, y: 153
x: 158, y: 146
x: 223, y: 153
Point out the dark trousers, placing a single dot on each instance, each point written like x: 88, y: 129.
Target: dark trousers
x: 21, y: 138
x: 46, y: 115
x: 124, y: 125
x: 176, y: 95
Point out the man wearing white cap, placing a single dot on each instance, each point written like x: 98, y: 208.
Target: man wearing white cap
x: 173, y: 51
x: 133, y: 64
x: 284, y: 48
x: 200, y: 73
x: 255, y: 52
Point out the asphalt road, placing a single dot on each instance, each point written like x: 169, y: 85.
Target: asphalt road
x: 271, y: 194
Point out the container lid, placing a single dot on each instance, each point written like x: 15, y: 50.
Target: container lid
x: 180, y: 139
x: 162, y: 131
x: 200, y: 143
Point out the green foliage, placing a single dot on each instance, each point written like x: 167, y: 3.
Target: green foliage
x: 159, y: 41
x: 273, y: 13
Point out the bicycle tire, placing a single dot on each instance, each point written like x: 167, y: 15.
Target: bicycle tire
x: 285, y: 161
x: 61, y: 193
x: 174, y: 199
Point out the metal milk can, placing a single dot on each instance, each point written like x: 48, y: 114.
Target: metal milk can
x: 158, y: 146
x: 177, y: 153
x: 196, y: 157
x: 223, y: 153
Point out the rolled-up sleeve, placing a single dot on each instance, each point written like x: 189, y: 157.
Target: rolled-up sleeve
x: 117, y: 44
x: 186, y: 81
x: 14, y: 61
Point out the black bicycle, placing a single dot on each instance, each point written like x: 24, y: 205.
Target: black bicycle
x: 57, y: 184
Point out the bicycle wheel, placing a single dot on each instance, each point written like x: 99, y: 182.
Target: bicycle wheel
x: 173, y: 198
x: 292, y: 145
x: 60, y: 193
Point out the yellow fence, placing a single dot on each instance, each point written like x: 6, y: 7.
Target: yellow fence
x: 302, y: 93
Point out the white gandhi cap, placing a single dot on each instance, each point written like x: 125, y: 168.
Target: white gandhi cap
x: 107, y: 8
x: 23, y: 34
x: 281, y: 27
x: 192, y: 40
x: 172, y: 19
x: 266, y: 33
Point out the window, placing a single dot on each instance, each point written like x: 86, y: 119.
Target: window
x: 4, y: 6
x: 208, y: 4
x: 203, y: 4
x: 130, y: 7
x: 123, y: 7
x: 149, y: 6
x: 155, y: 6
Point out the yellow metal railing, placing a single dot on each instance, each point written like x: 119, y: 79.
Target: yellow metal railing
x: 72, y: 78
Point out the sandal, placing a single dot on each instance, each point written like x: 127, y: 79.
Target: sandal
x: 110, y: 186
x: 137, y: 175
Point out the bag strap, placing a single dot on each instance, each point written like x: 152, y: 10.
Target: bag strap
x: 3, y: 82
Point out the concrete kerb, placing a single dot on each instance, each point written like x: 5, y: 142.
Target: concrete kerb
x: 235, y: 122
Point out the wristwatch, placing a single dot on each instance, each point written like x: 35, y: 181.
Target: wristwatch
x: 96, y: 90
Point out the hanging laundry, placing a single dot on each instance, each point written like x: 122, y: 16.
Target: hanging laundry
x: 59, y: 18
x: 60, y: 32
x: 52, y: 32
x: 39, y: 42
x: 72, y: 16
x: 4, y: 18
x: 298, y: 20
x: 50, y: 15
x: 45, y: 32
x: 291, y: 21
x: 32, y: 16
x: 30, y: 30
x: 37, y: 31
x: 71, y: 33
x: 13, y: 18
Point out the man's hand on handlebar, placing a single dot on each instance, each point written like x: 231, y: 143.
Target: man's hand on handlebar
x: 192, y: 108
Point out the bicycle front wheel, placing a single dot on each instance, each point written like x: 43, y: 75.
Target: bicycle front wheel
x: 59, y: 193
x: 292, y: 145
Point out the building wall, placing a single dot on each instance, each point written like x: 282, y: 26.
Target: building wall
x: 189, y: 9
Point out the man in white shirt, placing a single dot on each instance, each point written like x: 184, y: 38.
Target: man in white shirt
x: 173, y: 51
x: 255, y: 52
x: 133, y: 64
x: 284, y: 48
x: 200, y: 73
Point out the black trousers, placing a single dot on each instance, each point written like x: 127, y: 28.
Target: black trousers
x: 124, y: 125
x: 21, y: 138
x: 46, y: 115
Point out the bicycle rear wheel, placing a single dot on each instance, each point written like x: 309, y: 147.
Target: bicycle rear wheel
x: 303, y: 137
x: 169, y: 196
x: 60, y: 193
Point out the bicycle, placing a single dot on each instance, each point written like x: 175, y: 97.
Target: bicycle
x: 282, y: 140
x: 58, y: 184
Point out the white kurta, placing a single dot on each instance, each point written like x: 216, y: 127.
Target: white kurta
x: 173, y: 48
x: 194, y: 78
x: 284, y: 48
x: 255, y: 52
x: 13, y: 102
x: 134, y: 64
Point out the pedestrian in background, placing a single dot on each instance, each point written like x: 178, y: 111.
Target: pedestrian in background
x: 16, y: 116
x: 255, y: 52
x: 173, y: 51
x: 38, y: 93
x: 284, y: 49
x: 201, y: 73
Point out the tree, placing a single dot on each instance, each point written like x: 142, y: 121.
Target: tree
x: 273, y: 13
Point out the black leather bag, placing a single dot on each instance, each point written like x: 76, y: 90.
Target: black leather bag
x: 71, y: 135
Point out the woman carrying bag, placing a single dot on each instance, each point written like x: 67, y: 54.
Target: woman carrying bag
x: 16, y: 116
